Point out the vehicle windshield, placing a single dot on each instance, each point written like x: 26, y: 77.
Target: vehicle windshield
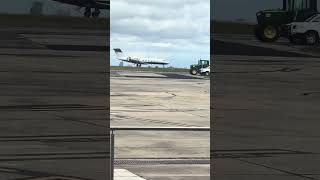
x: 316, y: 19
x: 204, y: 62
x: 310, y: 18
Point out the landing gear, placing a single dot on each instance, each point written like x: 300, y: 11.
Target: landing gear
x: 87, y: 12
x: 96, y: 13
x: 138, y: 65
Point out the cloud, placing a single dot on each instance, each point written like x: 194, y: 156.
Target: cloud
x: 171, y: 27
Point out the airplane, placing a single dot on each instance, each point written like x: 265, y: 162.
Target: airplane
x: 138, y: 60
x: 88, y: 5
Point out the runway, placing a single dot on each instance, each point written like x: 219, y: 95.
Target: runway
x: 156, y: 99
x: 156, y: 75
x: 53, y: 104
x: 265, y: 115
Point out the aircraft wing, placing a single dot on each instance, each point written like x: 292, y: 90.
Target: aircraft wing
x: 103, y: 4
x: 100, y: 4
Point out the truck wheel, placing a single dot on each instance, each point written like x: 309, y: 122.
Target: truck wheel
x: 193, y: 72
x: 269, y: 33
x: 311, y: 38
x: 207, y: 73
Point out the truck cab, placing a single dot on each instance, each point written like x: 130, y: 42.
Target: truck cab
x: 205, y: 71
x: 307, y: 31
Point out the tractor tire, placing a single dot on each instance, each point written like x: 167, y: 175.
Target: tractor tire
x: 193, y: 72
x: 268, y: 33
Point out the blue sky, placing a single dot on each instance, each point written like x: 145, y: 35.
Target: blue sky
x: 171, y: 29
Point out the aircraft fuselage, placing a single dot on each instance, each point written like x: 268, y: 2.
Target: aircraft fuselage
x: 88, y: 5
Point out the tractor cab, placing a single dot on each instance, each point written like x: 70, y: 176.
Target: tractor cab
x: 271, y: 22
x: 297, y: 5
x: 300, y: 10
x: 203, y: 63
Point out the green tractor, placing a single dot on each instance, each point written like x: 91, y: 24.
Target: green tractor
x: 195, y: 68
x: 272, y: 23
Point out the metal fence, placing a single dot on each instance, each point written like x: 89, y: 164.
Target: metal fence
x: 131, y: 128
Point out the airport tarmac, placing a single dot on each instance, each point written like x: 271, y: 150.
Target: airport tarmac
x: 265, y: 114
x: 147, y: 99
x: 242, y: 44
x: 53, y: 104
x: 54, y: 111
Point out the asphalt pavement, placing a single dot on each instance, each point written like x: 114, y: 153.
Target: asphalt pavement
x: 161, y: 99
x: 264, y: 114
x: 54, y: 104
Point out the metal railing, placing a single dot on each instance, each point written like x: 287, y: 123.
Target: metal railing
x: 132, y: 128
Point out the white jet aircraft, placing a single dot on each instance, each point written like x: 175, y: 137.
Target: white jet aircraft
x: 139, y: 60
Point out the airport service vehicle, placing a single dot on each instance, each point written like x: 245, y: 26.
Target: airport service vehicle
x: 195, y: 68
x: 307, y: 31
x: 272, y: 23
x: 88, y: 5
x: 205, y: 71
x: 139, y: 60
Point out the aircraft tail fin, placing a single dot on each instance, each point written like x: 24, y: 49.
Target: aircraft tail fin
x: 118, y: 52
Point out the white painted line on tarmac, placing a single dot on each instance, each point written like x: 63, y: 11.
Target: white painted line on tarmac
x: 123, y: 174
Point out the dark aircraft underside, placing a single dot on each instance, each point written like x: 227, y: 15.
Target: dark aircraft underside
x: 89, y: 5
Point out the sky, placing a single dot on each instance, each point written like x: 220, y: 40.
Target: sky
x: 232, y: 10
x: 176, y: 31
